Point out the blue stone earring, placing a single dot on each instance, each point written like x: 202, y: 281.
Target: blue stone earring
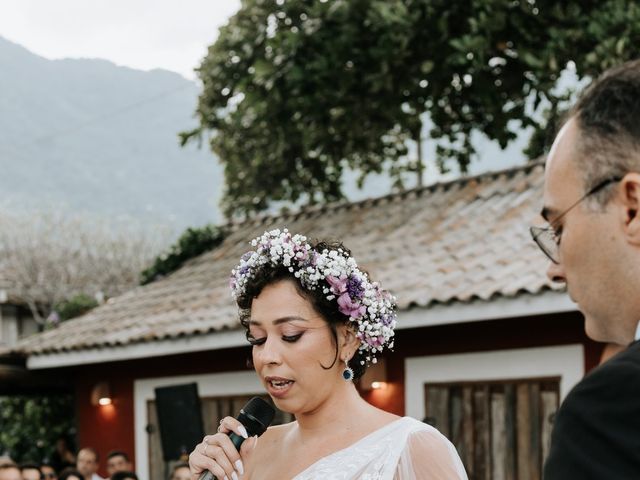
x: 347, y: 373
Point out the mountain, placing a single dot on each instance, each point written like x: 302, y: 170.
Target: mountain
x: 98, y: 138
x: 93, y: 137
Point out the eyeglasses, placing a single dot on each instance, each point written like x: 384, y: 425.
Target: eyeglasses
x: 546, y: 237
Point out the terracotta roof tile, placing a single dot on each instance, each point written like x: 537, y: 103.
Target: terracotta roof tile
x: 452, y: 242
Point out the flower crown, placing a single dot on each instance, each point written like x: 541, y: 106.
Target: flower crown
x: 369, y: 308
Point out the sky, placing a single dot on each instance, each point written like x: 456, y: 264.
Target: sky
x: 142, y: 34
x: 147, y: 34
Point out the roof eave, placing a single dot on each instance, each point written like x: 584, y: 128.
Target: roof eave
x: 478, y: 310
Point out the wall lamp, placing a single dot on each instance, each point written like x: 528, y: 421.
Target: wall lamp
x: 101, y: 394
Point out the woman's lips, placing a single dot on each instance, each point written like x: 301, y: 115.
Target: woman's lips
x: 278, y: 386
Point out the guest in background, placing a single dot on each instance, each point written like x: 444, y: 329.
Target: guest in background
x: 118, y: 461
x: 124, y: 476
x: 180, y: 472
x: 87, y: 464
x: 9, y: 471
x: 30, y: 471
x: 48, y: 472
x: 63, y: 456
x: 70, y: 474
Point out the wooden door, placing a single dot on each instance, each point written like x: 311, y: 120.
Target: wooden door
x: 501, y: 430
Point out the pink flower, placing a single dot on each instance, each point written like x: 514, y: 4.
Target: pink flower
x: 338, y: 285
x: 346, y: 306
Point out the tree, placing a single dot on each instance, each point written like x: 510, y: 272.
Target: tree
x: 55, y: 260
x: 295, y: 91
x: 191, y: 243
x: 30, y: 425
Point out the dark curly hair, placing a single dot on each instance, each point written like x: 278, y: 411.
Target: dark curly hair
x: 328, y: 309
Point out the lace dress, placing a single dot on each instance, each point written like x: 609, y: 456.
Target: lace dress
x: 402, y: 450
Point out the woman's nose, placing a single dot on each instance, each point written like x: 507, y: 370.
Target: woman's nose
x: 270, y: 351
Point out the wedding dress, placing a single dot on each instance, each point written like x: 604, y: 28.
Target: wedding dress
x: 405, y: 449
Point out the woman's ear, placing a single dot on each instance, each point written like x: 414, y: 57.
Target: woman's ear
x: 348, y: 341
x: 631, y: 202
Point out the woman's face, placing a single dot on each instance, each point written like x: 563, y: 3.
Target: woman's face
x: 291, y: 343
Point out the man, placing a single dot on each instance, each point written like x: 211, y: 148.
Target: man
x: 48, y: 473
x: 123, y: 476
x: 30, y: 471
x: 87, y: 464
x: 118, y: 461
x: 592, y: 204
x: 9, y: 471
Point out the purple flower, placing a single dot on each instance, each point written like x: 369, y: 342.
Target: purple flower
x: 354, y: 287
x: 349, y: 308
x: 338, y: 285
x: 387, y: 319
x: 246, y: 256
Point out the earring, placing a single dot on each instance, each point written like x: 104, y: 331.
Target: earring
x: 347, y: 373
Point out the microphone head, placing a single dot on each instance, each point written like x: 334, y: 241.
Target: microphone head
x: 256, y: 416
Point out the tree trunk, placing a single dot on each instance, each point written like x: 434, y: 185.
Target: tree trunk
x: 420, y: 161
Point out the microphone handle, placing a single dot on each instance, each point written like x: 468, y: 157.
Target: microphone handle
x: 237, y: 441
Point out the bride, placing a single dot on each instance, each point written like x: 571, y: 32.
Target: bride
x: 315, y: 322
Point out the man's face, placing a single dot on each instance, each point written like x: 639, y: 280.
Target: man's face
x: 591, y: 244
x: 87, y: 463
x: 48, y: 473
x: 12, y: 473
x: 30, y: 474
x: 118, y: 463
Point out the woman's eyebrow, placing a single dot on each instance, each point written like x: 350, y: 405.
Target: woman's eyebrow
x: 281, y: 320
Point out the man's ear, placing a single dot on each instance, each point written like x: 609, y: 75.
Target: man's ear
x: 631, y: 201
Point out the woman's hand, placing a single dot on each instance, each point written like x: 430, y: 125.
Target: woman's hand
x: 217, y: 453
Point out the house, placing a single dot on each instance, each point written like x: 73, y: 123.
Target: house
x: 16, y: 321
x: 486, y: 346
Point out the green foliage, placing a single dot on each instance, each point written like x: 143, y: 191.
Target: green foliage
x: 29, y: 425
x: 191, y: 243
x: 75, y: 306
x: 295, y: 91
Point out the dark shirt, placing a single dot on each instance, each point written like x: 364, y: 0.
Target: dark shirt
x: 596, y: 433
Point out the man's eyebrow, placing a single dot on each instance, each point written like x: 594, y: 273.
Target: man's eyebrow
x: 281, y: 320
x: 548, y: 212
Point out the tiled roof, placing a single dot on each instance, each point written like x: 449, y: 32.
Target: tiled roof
x: 450, y: 242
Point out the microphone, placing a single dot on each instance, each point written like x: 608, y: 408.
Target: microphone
x: 256, y: 416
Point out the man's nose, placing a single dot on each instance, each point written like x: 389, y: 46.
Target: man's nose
x: 555, y: 273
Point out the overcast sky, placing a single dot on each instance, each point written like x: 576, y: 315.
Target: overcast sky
x: 142, y: 34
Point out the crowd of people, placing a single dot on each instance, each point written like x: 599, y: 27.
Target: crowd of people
x: 83, y: 466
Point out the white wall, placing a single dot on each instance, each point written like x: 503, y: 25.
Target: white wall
x: 566, y: 362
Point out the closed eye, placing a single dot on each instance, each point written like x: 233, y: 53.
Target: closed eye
x: 260, y: 341
x: 557, y: 234
x: 291, y: 338
x: 256, y: 341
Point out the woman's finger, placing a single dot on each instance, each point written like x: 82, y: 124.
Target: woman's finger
x: 230, y: 424
x: 224, y: 448
x: 209, y: 455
